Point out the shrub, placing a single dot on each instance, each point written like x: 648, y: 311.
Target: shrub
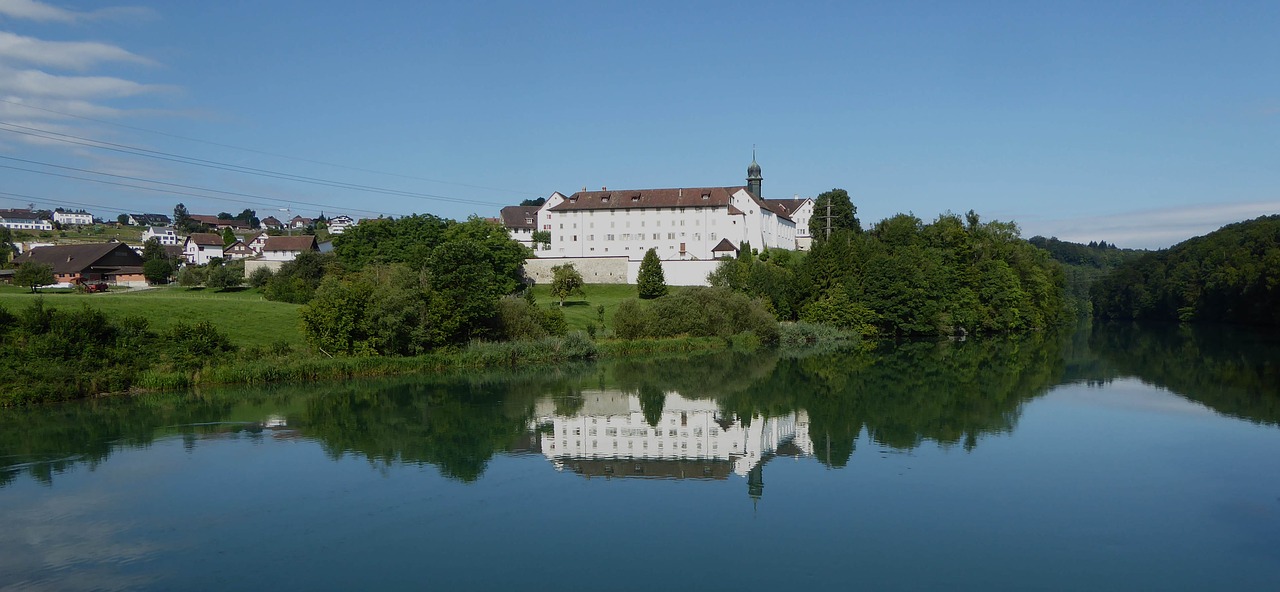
x: 259, y: 277
x: 695, y: 312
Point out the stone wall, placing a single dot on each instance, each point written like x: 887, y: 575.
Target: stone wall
x: 620, y: 270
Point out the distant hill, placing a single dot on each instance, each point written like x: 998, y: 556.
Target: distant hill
x: 1083, y: 265
x: 1231, y: 275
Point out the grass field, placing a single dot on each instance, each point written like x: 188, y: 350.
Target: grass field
x: 580, y: 311
x: 245, y: 316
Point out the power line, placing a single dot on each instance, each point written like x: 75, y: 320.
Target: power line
x: 266, y: 153
x: 172, y: 191
x: 136, y: 151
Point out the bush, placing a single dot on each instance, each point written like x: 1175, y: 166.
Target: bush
x: 695, y: 312
x: 259, y: 277
x: 157, y: 271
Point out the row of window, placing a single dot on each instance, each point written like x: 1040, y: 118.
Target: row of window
x: 656, y: 223
x: 640, y: 432
x: 641, y: 236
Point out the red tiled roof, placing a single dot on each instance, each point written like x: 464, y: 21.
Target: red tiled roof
x: 648, y: 198
x: 291, y: 243
x: 206, y: 239
x: 520, y: 216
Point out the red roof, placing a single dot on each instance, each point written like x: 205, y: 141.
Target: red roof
x: 205, y: 239
x: 291, y: 243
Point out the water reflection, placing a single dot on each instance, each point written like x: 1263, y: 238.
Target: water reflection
x: 693, y: 417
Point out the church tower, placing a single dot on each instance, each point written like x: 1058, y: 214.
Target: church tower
x: 753, y: 176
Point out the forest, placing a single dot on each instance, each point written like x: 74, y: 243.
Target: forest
x: 1231, y: 275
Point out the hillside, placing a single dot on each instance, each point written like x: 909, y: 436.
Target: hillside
x: 1083, y: 265
x: 1231, y: 275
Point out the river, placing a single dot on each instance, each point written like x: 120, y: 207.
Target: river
x: 1112, y: 458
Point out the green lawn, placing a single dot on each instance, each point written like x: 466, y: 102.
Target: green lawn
x: 245, y: 316
x: 581, y: 311
x: 84, y: 234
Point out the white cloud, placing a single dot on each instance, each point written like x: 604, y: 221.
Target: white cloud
x: 1151, y: 229
x: 15, y: 107
x: 42, y: 84
x: 39, y: 11
x: 73, y: 55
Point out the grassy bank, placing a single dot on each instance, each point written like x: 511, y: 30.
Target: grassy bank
x: 244, y: 316
x: 580, y: 311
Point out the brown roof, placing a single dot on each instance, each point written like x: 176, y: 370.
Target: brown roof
x: 237, y: 247
x: 786, y: 205
x: 205, y: 239
x: 648, y: 198
x: 717, y: 469
x: 520, y: 216
x: 270, y: 221
x: 724, y: 246
x: 80, y: 258
x: 291, y: 243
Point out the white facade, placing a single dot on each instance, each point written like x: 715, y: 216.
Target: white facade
x: 339, y: 224
x: 16, y: 223
x: 612, y: 426
x: 681, y: 223
x: 200, y: 251
x: 80, y: 218
x: 163, y: 234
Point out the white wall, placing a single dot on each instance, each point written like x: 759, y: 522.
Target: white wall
x: 621, y: 270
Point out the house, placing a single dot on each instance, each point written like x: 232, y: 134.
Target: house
x: 114, y: 263
x: 725, y: 249
x: 256, y: 242
x: 287, y: 248
x: 339, y: 224
x: 800, y: 210
x: 521, y: 222
x: 163, y: 234
x: 202, y: 247
x: 238, y: 250
x: 299, y: 222
x: 149, y: 220
x: 220, y: 223
x: 24, y: 220
x: 76, y: 218
x: 271, y: 223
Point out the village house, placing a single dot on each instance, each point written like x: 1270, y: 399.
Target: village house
x: 70, y: 218
x: 238, y: 250
x: 256, y: 242
x: 299, y: 223
x: 163, y: 234
x: 271, y: 223
x: 24, y: 220
x: 287, y: 248
x: 521, y: 222
x: 202, y: 247
x: 113, y: 263
x: 149, y: 220
x: 220, y: 224
x: 339, y: 224
x: 800, y: 210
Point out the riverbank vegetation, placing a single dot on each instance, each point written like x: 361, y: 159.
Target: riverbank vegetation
x: 1231, y: 275
x: 905, y: 278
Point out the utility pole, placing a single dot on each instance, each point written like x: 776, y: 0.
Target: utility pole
x: 828, y: 218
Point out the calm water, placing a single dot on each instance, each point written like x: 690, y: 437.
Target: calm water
x: 1112, y: 459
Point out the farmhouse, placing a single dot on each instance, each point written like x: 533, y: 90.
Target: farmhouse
x: 521, y: 222
x: 202, y: 247
x: 287, y: 248
x: 23, y: 220
x: 114, y: 263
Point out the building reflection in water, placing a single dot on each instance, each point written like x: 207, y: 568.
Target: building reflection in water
x: 609, y: 436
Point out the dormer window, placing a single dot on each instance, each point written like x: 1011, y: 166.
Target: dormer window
x: 706, y: 196
x: 604, y: 199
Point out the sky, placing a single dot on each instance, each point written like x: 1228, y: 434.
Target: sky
x: 1138, y: 123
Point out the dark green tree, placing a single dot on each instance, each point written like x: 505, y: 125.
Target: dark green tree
x: 122, y: 219
x: 228, y: 237
x: 842, y: 213
x: 157, y: 271
x: 34, y: 275
x: 566, y: 282
x: 651, y: 282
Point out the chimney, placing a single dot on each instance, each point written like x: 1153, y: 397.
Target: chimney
x: 603, y: 188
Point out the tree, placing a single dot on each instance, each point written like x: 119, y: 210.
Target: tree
x: 191, y: 276
x: 534, y: 202
x: 6, y: 245
x: 122, y: 219
x: 651, y: 282
x: 843, y: 214
x: 228, y: 237
x: 157, y: 271
x: 542, y: 237
x: 182, y: 219
x: 34, y: 275
x: 566, y: 281
x: 228, y: 275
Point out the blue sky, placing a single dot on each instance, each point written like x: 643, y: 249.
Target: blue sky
x: 1141, y: 124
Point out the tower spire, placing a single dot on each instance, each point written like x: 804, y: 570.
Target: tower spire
x: 754, y: 180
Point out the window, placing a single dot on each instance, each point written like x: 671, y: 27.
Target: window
x: 671, y: 236
x: 712, y: 236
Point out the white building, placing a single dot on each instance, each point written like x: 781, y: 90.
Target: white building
x: 23, y: 220
x: 287, y: 248
x: 521, y: 222
x: 339, y: 224
x: 800, y: 209
x: 202, y: 247
x: 681, y: 223
x: 610, y: 436
x: 163, y: 234
x: 78, y: 217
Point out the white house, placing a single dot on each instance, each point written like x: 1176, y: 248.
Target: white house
x: 339, y: 224
x: 521, y: 222
x: 23, y: 220
x: 78, y: 217
x: 164, y: 234
x: 257, y: 242
x: 202, y: 247
x: 287, y: 248
x: 148, y: 220
x: 800, y: 209
x: 237, y: 250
